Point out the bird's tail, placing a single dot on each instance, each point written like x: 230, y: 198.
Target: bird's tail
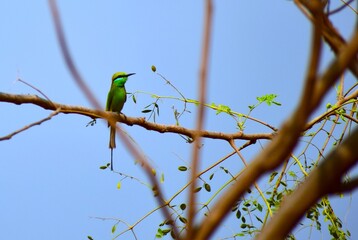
x: 112, y: 138
x: 112, y: 143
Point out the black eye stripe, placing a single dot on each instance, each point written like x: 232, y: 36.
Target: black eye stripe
x: 123, y: 76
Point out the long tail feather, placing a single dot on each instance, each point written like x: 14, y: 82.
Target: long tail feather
x: 112, y: 138
x: 111, y: 159
x: 112, y: 143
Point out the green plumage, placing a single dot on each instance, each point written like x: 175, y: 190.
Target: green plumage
x: 116, y: 98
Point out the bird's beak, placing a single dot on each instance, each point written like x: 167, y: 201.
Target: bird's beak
x: 130, y: 74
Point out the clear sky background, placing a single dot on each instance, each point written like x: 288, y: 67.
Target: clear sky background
x: 51, y: 186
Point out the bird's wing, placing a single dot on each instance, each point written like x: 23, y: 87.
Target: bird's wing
x: 109, y: 100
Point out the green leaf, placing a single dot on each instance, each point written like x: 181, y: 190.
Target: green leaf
x: 211, y: 176
x: 183, y: 220
x: 90, y: 238
x: 292, y: 174
x: 154, y: 69
x: 234, y: 208
x: 225, y: 170
x: 159, y: 233
x: 168, y: 222
x: 259, y: 219
x: 238, y: 214
x: 182, y: 206
x: 197, y: 189
x: 268, y: 99
x: 114, y: 228
x: 272, y: 176
x: 134, y: 99
x: 157, y: 107
x: 182, y: 168
x: 207, y: 187
x: 146, y: 111
x: 103, y: 167
x: 165, y: 231
x: 240, y: 125
x: 239, y: 235
x: 222, y: 108
x: 162, y: 178
x: 276, y: 103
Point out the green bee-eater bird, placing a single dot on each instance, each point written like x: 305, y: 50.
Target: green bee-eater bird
x: 116, y: 98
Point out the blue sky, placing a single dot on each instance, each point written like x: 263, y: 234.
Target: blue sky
x: 50, y: 181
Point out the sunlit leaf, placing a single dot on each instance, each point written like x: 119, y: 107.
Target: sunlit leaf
x: 114, y: 228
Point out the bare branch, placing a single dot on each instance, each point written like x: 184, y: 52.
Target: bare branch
x: 130, y: 121
x: 36, y: 89
x: 9, y: 136
x: 330, y: 34
x: 348, y: 186
x: 200, y: 119
x: 337, y: 105
x: 67, y: 56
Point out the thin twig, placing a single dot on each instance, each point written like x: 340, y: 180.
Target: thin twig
x: 344, y: 5
x: 176, y: 89
x: 233, y: 145
x: 9, y: 136
x: 35, y: 88
x: 330, y: 33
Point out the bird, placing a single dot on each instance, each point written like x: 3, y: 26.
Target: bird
x: 116, y: 98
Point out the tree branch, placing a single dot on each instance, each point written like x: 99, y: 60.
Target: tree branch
x: 130, y: 121
x: 330, y: 34
x: 201, y: 116
x: 9, y: 136
x: 280, y: 148
x: 323, y: 180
